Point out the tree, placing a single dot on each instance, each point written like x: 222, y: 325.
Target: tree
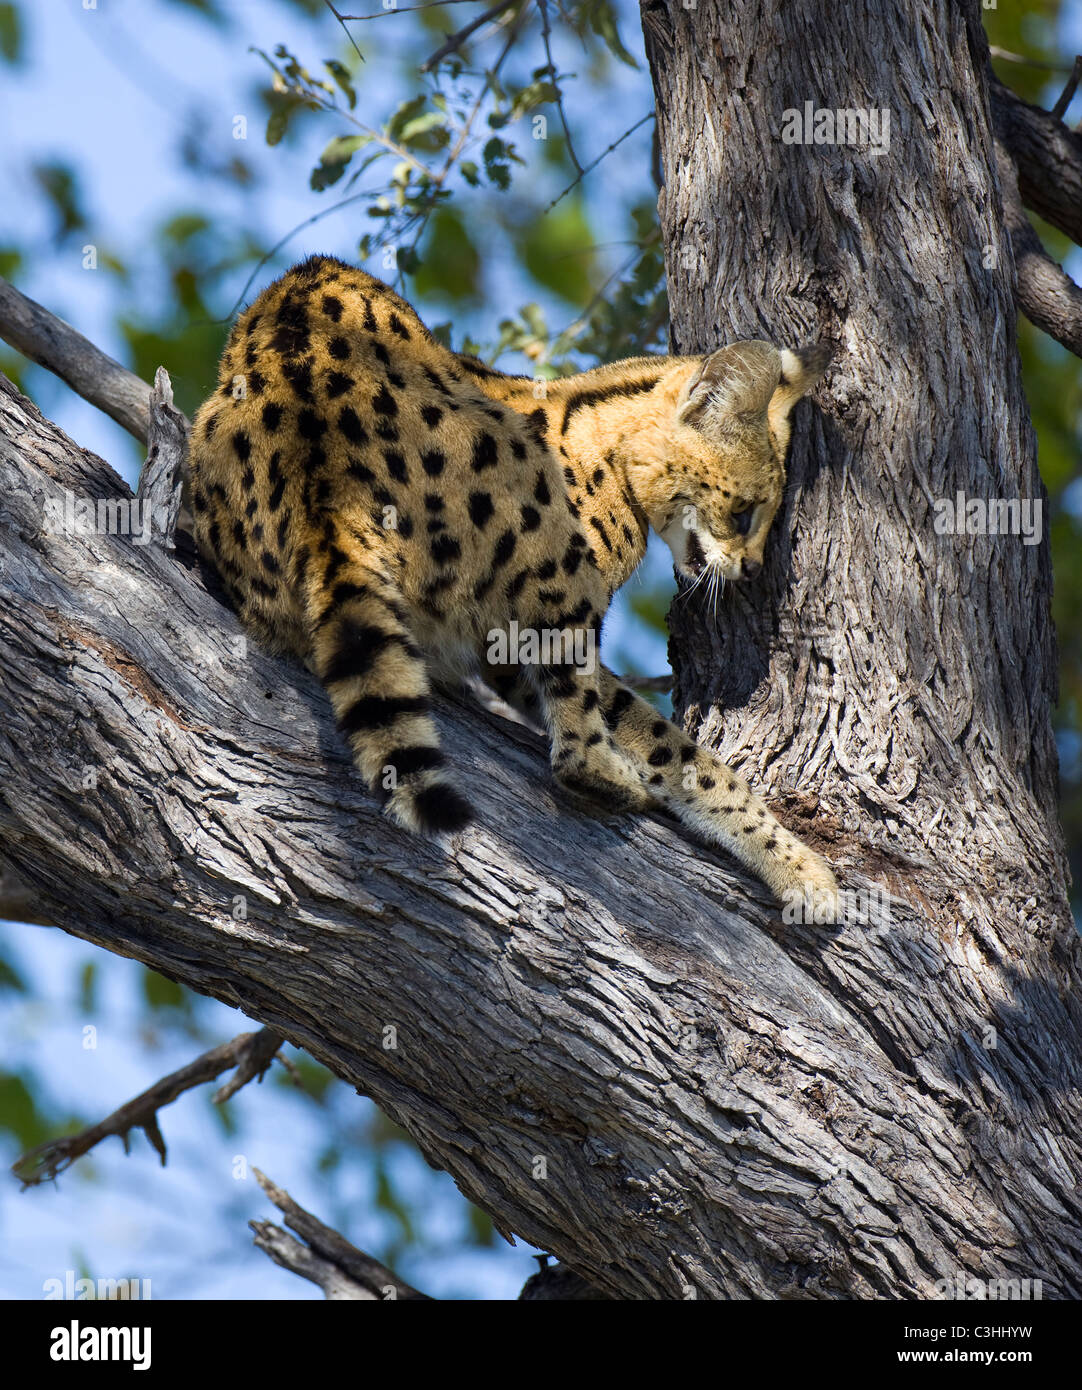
x: 600, y: 1029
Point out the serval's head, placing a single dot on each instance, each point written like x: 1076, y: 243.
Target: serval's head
x: 710, y: 470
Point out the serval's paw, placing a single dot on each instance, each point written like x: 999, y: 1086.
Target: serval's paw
x: 808, y: 889
x: 604, y: 772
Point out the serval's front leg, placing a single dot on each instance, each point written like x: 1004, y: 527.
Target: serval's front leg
x: 716, y: 802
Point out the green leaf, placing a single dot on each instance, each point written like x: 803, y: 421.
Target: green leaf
x: 536, y: 94
x: 335, y: 157
x: 11, y: 34
x: 600, y: 16
x: 496, y: 155
x: 427, y: 132
x: 557, y: 251
x: 652, y: 606
x: 449, y: 263
x: 278, y: 121
x: 405, y: 113
x: 340, y: 73
x: 88, y: 982
x: 184, y: 226
x: 10, y: 978
x: 161, y: 993
x: 59, y: 184
x: 19, y: 1115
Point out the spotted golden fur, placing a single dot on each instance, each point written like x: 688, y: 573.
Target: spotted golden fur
x: 383, y: 507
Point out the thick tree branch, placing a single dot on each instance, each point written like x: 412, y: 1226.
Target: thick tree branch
x: 250, y: 1053
x: 603, y: 1031
x: 1046, y: 294
x: 91, y: 373
x: 1046, y: 153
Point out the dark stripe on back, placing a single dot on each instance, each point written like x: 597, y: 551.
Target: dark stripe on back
x: 581, y: 400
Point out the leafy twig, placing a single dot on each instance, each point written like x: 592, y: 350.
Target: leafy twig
x: 455, y: 41
x: 546, y: 35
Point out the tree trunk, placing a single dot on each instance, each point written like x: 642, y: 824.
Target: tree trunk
x: 602, y: 1030
x: 891, y: 686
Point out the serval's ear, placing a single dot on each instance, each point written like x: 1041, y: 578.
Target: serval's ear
x: 738, y: 380
x: 801, y: 368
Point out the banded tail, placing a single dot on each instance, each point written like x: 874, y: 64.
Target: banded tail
x: 376, y: 677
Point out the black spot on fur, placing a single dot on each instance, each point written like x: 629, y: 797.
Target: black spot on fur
x: 299, y: 376
x: 600, y: 529
x: 505, y: 548
x: 356, y: 648
x: 396, y: 466
x: 580, y: 400
x: 378, y: 711
x: 356, y: 469
x: 310, y: 425
x: 338, y: 384
x: 445, y: 549
x: 481, y: 508
x: 621, y: 703
x: 351, y: 426
x: 485, y: 453
x: 291, y: 337
x: 384, y: 403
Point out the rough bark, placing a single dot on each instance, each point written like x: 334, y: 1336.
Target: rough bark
x: 894, y: 683
x: 600, y: 1029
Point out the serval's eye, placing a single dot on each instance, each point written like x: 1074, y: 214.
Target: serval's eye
x: 742, y: 519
